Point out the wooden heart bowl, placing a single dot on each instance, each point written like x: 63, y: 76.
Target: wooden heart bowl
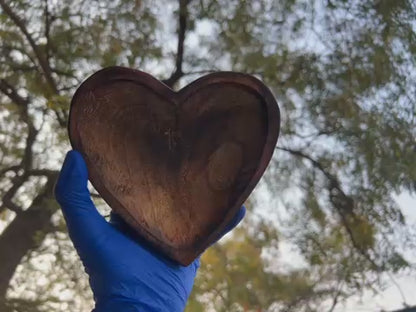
x: 176, y: 166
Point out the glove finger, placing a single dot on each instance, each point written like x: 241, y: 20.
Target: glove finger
x: 117, y: 222
x: 122, y: 226
x: 234, y: 221
x: 85, y: 224
x: 146, y: 248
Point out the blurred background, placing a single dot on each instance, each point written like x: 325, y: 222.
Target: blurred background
x: 332, y: 224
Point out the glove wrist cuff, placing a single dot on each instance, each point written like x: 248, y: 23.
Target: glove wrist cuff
x: 111, y: 305
x: 128, y: 305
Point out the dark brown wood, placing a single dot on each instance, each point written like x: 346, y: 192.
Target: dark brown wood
x: 176, y: 166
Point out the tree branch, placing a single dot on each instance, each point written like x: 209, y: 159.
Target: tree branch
x: 47, y: 29
x: 404, y: 301
x: 314, y: 162
x: 42, y: 60
x: 9, y: 48
x: 19, y: 67
x: 40, y: 56
x: 8, y: 90
x: 343, y: 203
x: 27, y: 159
x: 7, y: 169
x: 336, y: 298
x: 9, y: 204
x: 199, y: 72
x: 42, y: 172
x: 23, y: 104
x: 7, y: 199
x: 95, y: 195
x: 183, y: 16
x: 407, y: 309
x: 25, y: 233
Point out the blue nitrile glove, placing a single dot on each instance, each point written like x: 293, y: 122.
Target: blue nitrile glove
x: 125, y: 275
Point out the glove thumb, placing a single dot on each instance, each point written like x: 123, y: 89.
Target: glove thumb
x: 84, y: 222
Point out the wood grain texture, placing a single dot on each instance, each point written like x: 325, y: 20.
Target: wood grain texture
x: 176, y: 166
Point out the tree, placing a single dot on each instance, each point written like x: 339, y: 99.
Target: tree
x: 342, y: 73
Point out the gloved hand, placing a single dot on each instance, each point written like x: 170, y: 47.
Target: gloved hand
x: 124, y: 275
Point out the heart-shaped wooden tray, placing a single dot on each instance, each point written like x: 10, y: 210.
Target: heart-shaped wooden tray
x: 176, y: 166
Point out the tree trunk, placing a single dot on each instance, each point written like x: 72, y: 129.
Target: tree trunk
x: 25, y: 233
